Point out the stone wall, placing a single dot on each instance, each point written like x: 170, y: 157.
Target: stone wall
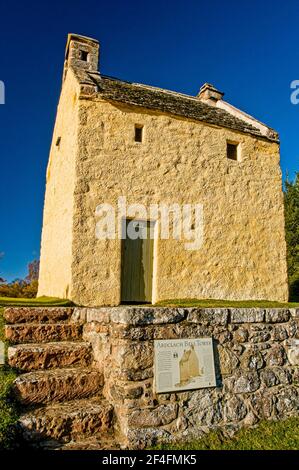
x: 243, y: 255
x: 55, y: 277
x: 256, y: 358
x: 182, y: 160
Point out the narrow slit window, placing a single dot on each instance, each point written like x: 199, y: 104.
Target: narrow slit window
x: 232, y: 150
x: 84, y: 55
x: 138, y: 133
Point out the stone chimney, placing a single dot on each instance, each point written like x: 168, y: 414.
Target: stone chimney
x: 209, y: 94
x: 81, y: 52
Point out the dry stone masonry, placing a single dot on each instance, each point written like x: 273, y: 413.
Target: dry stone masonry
x: 257, y: 377
x: 58, y: 388
x: 75, y: 394
x: 182, y: 159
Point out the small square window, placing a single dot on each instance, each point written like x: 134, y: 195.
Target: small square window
x: 83, y: 55
x: 138, y: 133
x: 232, y: 150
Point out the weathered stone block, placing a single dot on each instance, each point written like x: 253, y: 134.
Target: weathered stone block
x: 228, y: 360
x: 293, y: 352
x: 135, y: 375
x: 269, y: 378
x: 260, y: 333
x: 234, y: 409
x: 57, y: 385
x: 147, y: 316
x: 64, y: 422
x: 204, y: 407
x: 134, y: 355
x: 295, y: 375
x: 293, y: 329
x: 252, y: 360
x: 99, y: 315
x: 294, y: 313
x: 247, y: 315
x: 279, y: 333
x: 170, y: 331
x: 221, y: 336
x: 283, y: 374
x: 36, y: 314
x: 147, y: 437
x: 211, y: 316
x: 251, y: 419
x: 49, y: 355
x: 159, y: 416
x: 79, y: 315
x: 241, y: 335
x: 287, y: 402
x: 260, y: 346
x: 42, y: 332
x: 181, y: 423
x: 247, y: 382
x: 238, y: 348
x: 276, y: 356
x: 262, y: 403
x: 122, y: 392
x: 277, y: 315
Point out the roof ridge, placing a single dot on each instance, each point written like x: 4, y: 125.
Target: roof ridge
x: 176, y: 103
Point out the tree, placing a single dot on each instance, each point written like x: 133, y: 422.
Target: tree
x: 22, y: 287
x: 291, y: 198
x: 2, y: 280
x: 33, y: 271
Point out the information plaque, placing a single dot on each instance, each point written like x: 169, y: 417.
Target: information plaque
x: 184, y: 364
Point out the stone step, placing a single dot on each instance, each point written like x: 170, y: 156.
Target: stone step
x: 56, y: 385
x: 72, y: 421
x: 37, y: 314
x: 42, y: 332
x: 28, y: 357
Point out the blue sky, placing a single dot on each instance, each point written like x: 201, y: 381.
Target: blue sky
x: 248, y: 50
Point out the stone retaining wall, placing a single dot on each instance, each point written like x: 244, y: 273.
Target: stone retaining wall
x: 256, y: 359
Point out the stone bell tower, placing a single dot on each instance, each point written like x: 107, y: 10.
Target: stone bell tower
x: 81, y: 52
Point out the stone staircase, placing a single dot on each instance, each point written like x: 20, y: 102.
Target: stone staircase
x: 59, y: 389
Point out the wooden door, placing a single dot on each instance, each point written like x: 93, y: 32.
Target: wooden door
x: 137, y: 264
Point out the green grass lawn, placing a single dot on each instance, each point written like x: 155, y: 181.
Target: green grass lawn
x: 8, y: 409
x: 39, y: 302
x: 208, y: 303
x: 268, y: 435
x: 212, y: 303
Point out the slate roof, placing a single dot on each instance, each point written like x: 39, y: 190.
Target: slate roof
x: 112, y: 89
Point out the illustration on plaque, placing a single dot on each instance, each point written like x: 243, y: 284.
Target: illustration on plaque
x: 189, y: 366
x: 184, y: 364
